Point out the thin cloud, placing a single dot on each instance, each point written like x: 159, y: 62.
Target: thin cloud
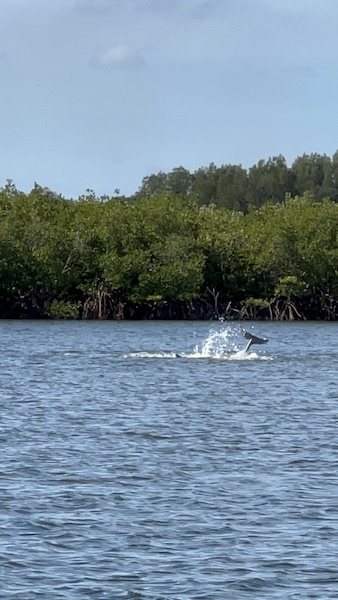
x: 300, y: 71
x: 97, y: 6
x: 216, y: 8
x: 157, y: 7
x: 120, y: 57
x: 204, y: 10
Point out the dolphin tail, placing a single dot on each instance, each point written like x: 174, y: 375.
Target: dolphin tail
x: 246, y: 349
x: 253, y: 339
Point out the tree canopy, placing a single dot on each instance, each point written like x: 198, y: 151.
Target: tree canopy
x: 237, y: 188
x: 261, y: 243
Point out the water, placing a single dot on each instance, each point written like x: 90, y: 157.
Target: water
x: 128, y: 473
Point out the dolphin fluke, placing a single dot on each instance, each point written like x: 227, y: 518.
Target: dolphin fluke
x: 253, y: 339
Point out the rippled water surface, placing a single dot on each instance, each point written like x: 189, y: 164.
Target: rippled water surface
x: 127, y: 472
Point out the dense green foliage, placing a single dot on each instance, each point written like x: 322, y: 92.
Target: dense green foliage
x: 236, y: 188
x: 179, y: 255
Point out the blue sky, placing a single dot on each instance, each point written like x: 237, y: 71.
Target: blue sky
x: 100, y: 93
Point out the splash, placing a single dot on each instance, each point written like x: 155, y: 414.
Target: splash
x: 217, y: 344
x: 224, y: 344
x: 151, y: 355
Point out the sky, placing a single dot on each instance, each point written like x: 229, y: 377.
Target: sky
x: 98, y: 94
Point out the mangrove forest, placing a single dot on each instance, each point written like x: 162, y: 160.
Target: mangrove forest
x: 222, y: 242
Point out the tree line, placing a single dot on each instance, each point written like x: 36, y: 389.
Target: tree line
x: 168, y: 254
x: 237, y: 188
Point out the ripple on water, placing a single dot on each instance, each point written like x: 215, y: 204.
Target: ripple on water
x: 126, y: 473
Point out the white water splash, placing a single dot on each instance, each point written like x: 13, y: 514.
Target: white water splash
x: 225, y: 344
x: 217, y: 344
x: 151, y: 355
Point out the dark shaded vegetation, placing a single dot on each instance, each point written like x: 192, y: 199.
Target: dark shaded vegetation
x: 256, y: 244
